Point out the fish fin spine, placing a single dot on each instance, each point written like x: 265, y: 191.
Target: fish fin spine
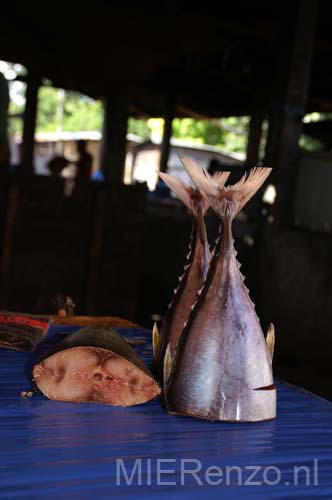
x: 209, y: 185
x: 155, y: 339
x: 246, y: 187
x: 179, y: 188
x: 270, y: 340
x: 193, y: 199
x: 167, y: 363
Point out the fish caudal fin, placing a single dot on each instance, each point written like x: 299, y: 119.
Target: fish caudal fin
x: 248, y: 185
x: 270, y: 340
x: 179, y: 188
x: 229, y: 200
x: 202, y: 179
x: 155, y: 340
x: 193, y: 199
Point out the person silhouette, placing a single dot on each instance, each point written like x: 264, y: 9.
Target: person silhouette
x: 84, y: 161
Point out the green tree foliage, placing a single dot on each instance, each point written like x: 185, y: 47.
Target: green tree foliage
x: 79, y: 112
x: 47, y: 109
x: 73, y: 112
x: 16, y: 107
x: 139, y: 127
x: 82, y: 113
x: 227, y: 133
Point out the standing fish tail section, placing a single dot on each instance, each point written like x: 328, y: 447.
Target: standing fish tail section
x: 222, y: 368
x: 195, y: 271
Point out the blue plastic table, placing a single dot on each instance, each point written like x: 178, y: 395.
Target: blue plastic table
x: 68, y: 451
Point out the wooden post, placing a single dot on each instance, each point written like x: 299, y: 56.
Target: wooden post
x: 114, y: 140
x: 166, y: 142
x: 288, y: 103
x: 254, y: 138
x: 252, y: 157
x: 29, y: 122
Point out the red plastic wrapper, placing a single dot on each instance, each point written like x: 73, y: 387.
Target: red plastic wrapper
x: 20, y: 332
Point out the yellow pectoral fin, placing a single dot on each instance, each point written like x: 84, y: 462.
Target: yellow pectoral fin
x: 167, y: 363
x: 155, y: 340
x: 270, y: 340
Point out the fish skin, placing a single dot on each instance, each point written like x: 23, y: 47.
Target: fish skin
x: 195, y: 271
x: 185, y: 295
x: 222, y: 369
x: 95, y: 365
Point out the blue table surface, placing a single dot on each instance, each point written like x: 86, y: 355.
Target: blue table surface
x: 61, y: 451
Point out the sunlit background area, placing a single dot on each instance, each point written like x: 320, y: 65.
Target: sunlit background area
x: 64, y: 116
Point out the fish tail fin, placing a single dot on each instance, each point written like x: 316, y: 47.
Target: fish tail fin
x: 193, y: 199
x: 179, y: 188
x: 227, y: 201
x: 202, y: 179
x: 248, y: 185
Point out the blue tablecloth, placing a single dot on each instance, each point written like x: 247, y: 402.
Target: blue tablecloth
x: 66, y: 451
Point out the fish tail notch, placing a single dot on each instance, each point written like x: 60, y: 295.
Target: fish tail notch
x: 226, y: 201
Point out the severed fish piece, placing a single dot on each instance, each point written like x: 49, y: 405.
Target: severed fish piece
x: 95, y: 365
x: 222, y: 368
x: 195, y: 271
x: 21, y: 332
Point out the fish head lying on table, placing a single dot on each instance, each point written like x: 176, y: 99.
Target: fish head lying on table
x: 222, y: 369
x: 95, y: 365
